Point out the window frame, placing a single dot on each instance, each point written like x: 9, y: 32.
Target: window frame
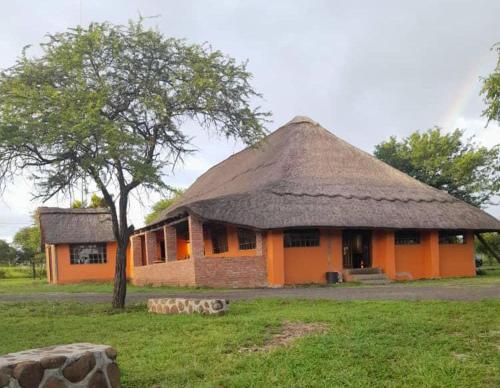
x: 251, y: 239
x: 407, y: 237
x: 102, y: 252
x: 216, y: 249
x: 445, y: 237
x: 298, y: 238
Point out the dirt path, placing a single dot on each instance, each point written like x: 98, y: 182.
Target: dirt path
x: 387, y: 292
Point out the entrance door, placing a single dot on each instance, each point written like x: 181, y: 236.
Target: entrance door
x: 357, y: 248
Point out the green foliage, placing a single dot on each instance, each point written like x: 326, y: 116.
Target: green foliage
x: 28, y: 243
x: 493, y: 240
x: 162, y: 205
x: 107, y: 103
x: 78, y: 204
x: 8, y: 253
x: 97, y: 201
x: 447, y: 162
x: 366, y: 344
x: 491, y: 91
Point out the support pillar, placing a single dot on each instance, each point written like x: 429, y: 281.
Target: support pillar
x: 275, y: 258
x: 150, y: 247
x: 170, y: 234
x: 196, y: 237
x: 390, y: 254
x: 136, y: 250
x: 259, y: 248
x: 431, y: 254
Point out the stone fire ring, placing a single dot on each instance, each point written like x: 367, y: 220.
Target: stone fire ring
x: 188, y: 306
x: 61, y: 366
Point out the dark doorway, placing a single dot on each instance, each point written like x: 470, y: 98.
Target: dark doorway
x: 357, y: 248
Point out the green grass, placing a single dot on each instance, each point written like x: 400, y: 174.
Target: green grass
x: 376, y: 344
x: 30, y: 286
x: 15, y: 272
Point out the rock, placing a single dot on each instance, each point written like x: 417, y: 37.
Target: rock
x: 78, y: 369
x: 5, y: 374
x: 98, y: 380
x: 113, y: 375
x: 28, y: 373
x: 111, y: 353
x: 53, y: 362
x: 54, y: 382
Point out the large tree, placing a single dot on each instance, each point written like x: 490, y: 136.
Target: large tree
x: 447, y: 161
x: 8, y: 254
x: 491, y: 91
x: 105, y: 104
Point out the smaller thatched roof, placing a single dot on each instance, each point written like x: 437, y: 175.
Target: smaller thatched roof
x: 73, y: 226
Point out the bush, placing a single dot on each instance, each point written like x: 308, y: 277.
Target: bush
x: 2, y: 274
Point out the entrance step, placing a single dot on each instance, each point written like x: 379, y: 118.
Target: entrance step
x: 366, y: 276
x: 363, y: 271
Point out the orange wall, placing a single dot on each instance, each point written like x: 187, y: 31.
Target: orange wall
x: 309, y: 264
x: 457, y: 259
x: 74, y: 273
x: 232, y: 244
x: 410, y: 259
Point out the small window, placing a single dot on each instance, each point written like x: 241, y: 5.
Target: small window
x: 88, y: 254
x: 301, y: 238
x: 219, y: 239
x: 246, y: 239
x: 407, y: 237
x: 452, y: 238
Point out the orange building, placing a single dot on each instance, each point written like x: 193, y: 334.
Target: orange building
x: 79, y: 244
x: 303, y: 207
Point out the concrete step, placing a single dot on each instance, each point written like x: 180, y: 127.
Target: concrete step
x: 363, y: 271
x: 373, y: 276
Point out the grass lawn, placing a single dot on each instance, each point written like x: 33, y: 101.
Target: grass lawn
x: 381, y: 344
x: 490, y: 274
x: 30, y: 286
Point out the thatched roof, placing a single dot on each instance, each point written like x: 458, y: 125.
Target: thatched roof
x: 67, y: 226
x: 303, y: 175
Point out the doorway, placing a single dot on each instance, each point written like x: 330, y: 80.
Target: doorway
x: 357, y: 248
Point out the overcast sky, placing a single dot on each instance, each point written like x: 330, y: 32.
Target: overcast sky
x: 365, y: 70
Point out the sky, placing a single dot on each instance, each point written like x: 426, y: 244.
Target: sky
x: 365, y: 70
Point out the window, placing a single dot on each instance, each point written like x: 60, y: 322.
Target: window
x: 219, y: 238
x: 407, y: 237
x: 246, y: 239
x: 452, y: 238
x: 88, y: 254
x: 301, y: 238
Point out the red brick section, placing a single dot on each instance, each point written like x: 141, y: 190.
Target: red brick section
x: 196, y: 237
x: 172, y: 273
x: 150, y: 247
x: 170, y: 242
x: 136, y: 251
x: 231, y: 271
x: 246, y: 271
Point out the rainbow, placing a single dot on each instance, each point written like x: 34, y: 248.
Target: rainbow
x: 468, y: 90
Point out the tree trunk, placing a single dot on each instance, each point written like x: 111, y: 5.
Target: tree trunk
x: 33, y: 268
x: 120, y: 286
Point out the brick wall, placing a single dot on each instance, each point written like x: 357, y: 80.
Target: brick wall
x: 173, y: 273
x: 196, y: 237
x: 237, y: 272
